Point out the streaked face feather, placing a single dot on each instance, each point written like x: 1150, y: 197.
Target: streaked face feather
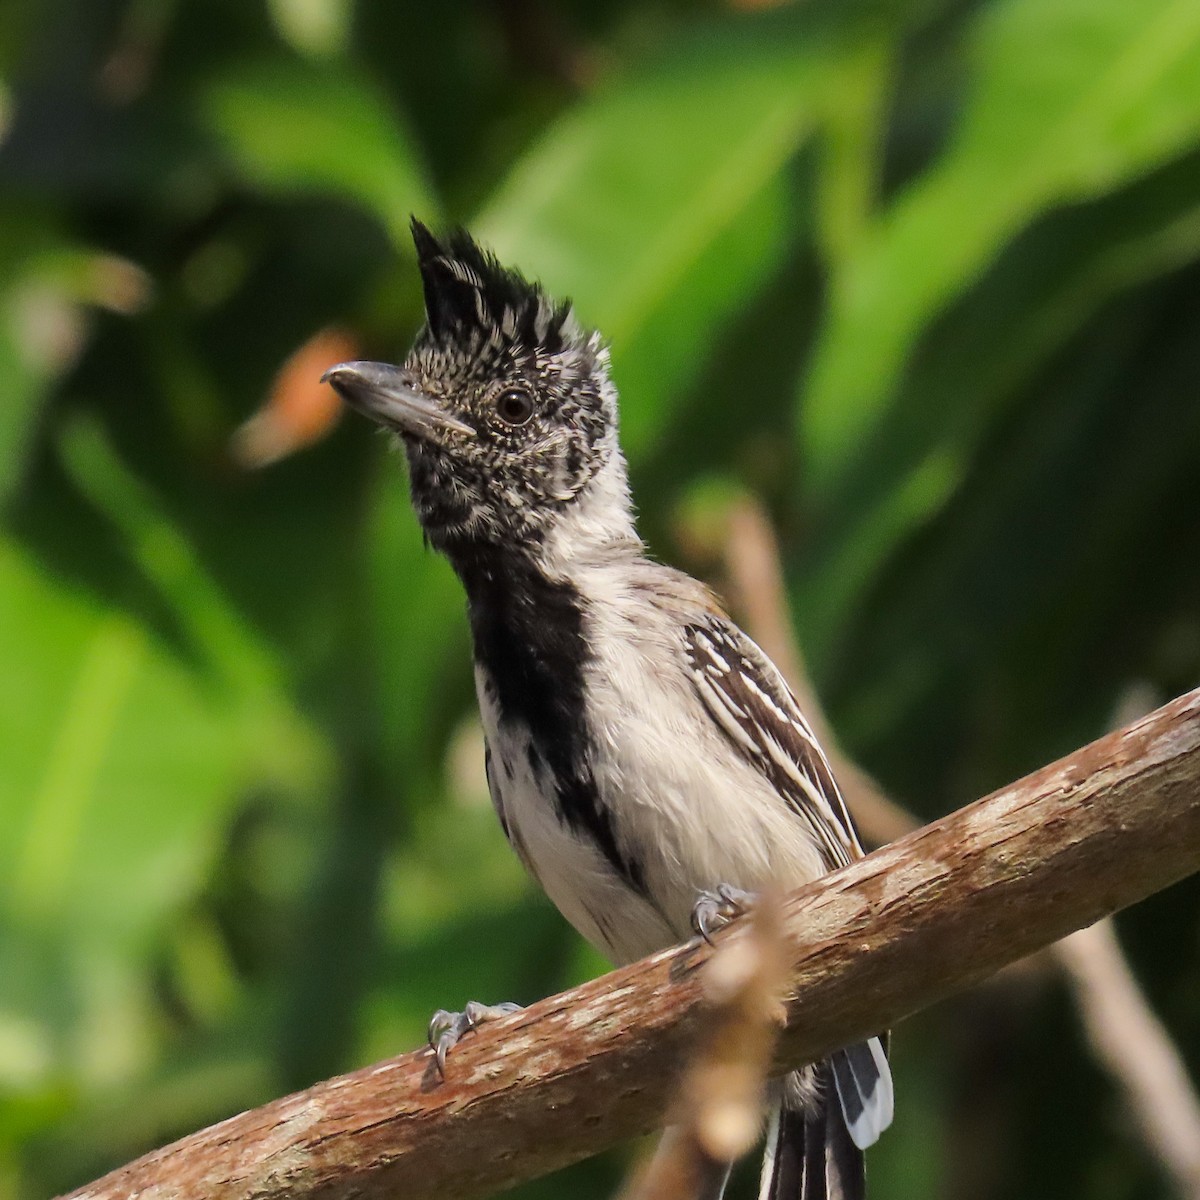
x: 490, y: 333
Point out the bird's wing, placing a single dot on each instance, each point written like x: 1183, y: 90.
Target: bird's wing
x: 755, y: 708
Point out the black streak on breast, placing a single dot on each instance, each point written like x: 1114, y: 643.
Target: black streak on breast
x: 528, y: 633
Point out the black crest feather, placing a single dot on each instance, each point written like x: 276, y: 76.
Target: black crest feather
x: 467, y: 290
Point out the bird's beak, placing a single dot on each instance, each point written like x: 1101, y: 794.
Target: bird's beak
x: 387, y: 394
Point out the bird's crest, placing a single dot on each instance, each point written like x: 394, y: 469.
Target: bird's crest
x: 469, y: 294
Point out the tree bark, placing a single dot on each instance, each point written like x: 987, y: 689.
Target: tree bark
x: 916, y: 921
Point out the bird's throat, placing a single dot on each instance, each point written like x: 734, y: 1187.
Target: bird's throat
x: 531, y: 648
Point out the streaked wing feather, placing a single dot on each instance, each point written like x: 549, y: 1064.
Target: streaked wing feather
x: 749, y: 699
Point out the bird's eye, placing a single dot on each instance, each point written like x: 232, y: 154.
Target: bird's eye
x: 514, y: 406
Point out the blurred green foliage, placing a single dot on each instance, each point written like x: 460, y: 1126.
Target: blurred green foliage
x: 920, y: 273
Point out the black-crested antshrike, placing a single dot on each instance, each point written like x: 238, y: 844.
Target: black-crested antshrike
x: 647, y: 761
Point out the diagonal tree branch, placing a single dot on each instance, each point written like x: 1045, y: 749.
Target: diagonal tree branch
x: 1128, y: 1040
x: 914, y: 922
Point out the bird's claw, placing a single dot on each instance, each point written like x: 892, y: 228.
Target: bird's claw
x: 445, y: 1027
x: 714, y: 910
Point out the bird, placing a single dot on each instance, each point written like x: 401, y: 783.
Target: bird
x: 648, y: 763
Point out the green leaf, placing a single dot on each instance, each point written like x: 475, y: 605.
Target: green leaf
x: 294, y: 127
x: 118, y: 768
x: 1044, y: 290
x: 853, y: 125
x: 125, y: 767
x: 1070, y: 99
x: 659, y: 360
x: 626, y: 195
x: 127, y: 761
x: 1074, y: 531
x: 417, y: 614
x: 288, y: 748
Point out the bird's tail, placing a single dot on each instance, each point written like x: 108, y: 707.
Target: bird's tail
x: 823, y: 1122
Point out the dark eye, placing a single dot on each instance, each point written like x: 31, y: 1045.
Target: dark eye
x: 514, y: 406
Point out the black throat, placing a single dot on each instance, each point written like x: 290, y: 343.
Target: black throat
x: 529, y: 638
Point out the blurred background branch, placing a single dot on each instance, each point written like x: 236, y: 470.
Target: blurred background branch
x: 1131, y: 1043
x: 756, y: 590
x: 716, y: 1116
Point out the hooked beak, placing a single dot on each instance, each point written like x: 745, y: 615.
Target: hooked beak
x: 386, y: 394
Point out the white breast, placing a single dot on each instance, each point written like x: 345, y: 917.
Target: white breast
x: 570, y: 869
x: 702, y: 813
x: 685, y: 804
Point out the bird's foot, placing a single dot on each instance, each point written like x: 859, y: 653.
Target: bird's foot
x: 714, y: 910
x: 445, y: 1028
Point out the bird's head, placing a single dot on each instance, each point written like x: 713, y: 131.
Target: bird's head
x: 504, y: 405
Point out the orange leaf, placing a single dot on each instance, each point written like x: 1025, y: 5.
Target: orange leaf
x: 300, y: 410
